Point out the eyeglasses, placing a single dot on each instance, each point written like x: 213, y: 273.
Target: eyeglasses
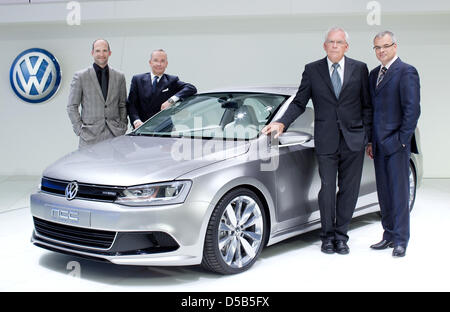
x: 386, y: 46
x: 339, y: 42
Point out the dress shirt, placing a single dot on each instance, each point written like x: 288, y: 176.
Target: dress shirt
x: 98, y: 72
x: 387, y: 65
x: 153, y: 77
x: 340, y: 69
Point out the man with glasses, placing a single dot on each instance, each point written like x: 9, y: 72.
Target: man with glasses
x: 395, y: 92
x: 339, y: 89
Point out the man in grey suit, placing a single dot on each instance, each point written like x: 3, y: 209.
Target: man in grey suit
x: 101, y: 92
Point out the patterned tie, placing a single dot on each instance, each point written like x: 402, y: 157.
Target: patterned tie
x: 382, y: 73
x: 155, y: 81
x: 336, y: 80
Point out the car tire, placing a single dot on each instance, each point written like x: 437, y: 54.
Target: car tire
x: 236, y: 233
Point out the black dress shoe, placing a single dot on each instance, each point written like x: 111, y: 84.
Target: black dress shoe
x: 399, y: 251
x: 382, y: 245
x: 327, y: 247
x: 341, y: 247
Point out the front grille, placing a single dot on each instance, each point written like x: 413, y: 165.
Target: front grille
x: 74, y: 235
x: 54, y: 236
x: 86, y: 191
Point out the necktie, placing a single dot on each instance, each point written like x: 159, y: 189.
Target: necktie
x: 382, y: 73
x: 155, y: 81
x: 336, y: 80
x: 104, y: 84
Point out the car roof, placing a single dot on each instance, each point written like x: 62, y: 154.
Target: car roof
x: 272, y: 89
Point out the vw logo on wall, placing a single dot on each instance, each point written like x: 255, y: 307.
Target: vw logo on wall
x: 35, y: 75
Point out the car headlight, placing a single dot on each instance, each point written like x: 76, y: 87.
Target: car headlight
x: 155, y: 194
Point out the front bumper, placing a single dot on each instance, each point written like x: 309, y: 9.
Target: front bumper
x: 164, y: 235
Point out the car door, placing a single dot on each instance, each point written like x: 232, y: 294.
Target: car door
x: 297, y: 178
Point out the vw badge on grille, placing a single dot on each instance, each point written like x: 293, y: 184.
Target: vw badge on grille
x: 71, y: 190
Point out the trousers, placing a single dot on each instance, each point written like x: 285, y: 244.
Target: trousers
x: 336, y: 209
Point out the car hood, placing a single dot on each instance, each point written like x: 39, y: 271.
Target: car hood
x: 134, y: 160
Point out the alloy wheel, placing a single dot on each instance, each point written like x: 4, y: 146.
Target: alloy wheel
x: 240, y: 232
x: 236, y: 233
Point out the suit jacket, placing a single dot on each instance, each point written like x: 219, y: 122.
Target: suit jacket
x: 351, y: 112
x: 96, y: 113
x: 143, y: 102
x: 396, y: 104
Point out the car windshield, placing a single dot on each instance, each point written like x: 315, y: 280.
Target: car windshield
x: 215, y: 116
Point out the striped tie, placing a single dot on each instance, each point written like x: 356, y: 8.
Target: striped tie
x: 336, y: 80
x: 382, y: 73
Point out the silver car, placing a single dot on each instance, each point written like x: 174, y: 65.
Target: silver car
x: 196, y: 184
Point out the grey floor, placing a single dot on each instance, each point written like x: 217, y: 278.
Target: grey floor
x: 294, y: 265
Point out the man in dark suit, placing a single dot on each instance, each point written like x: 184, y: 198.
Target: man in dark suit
x: 338, y: 87
x: 395, y: 92
x: 155, y: 91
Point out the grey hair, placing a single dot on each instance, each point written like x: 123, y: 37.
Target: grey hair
x: 157, y: 50
x: 336, y: 28
x: 384, y: 33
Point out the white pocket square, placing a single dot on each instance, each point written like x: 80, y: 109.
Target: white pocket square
x: 165, y: 90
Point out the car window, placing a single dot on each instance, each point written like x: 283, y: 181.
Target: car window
x: 215, y: 115
x: 304, y: 122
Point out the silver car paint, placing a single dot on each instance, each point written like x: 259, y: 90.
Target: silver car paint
x: 129, y: 160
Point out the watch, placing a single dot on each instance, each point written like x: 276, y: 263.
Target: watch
x: 171, y: 101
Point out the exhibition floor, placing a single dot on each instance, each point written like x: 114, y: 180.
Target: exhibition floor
x: 293, y: 265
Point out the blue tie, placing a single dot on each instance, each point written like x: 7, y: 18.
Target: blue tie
x: 155, y: 81
x: 336, y: 80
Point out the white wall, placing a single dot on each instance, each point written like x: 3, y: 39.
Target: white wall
x: 211, y: 47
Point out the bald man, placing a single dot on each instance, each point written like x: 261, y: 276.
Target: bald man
x: 97, y: 99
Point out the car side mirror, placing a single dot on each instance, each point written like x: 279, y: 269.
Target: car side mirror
x: 294, y: 138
